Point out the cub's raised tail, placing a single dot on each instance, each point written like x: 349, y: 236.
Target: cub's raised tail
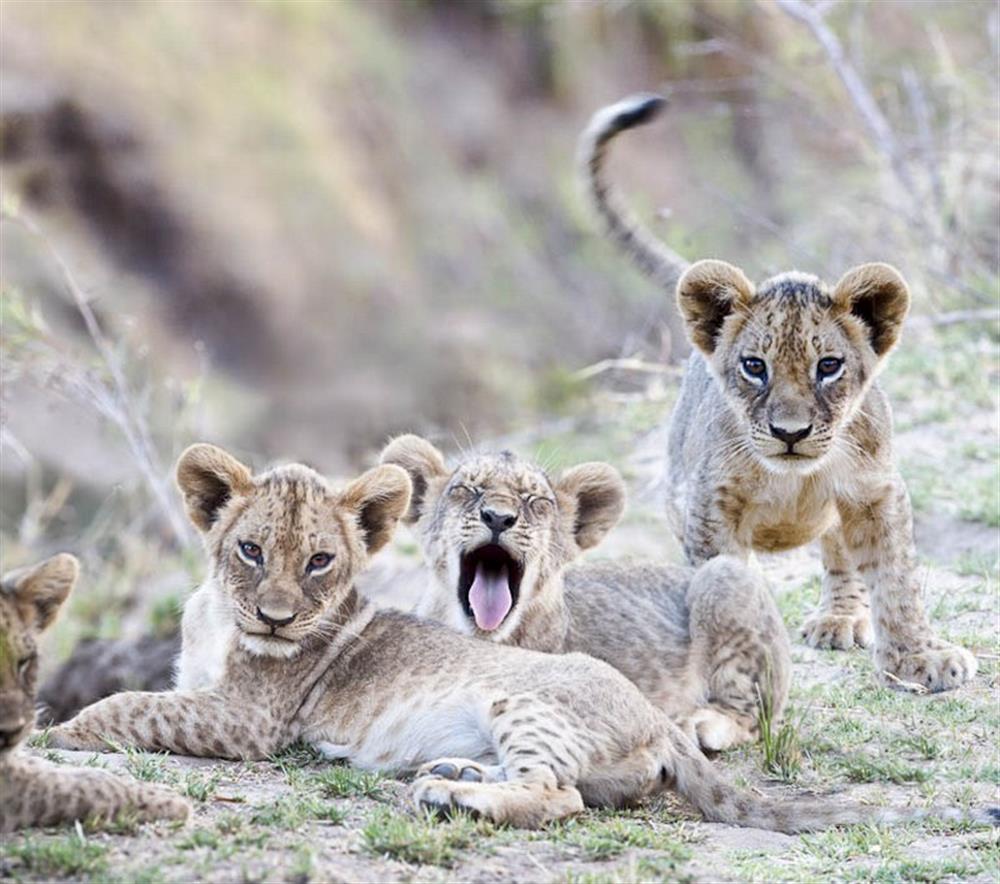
x: 652, y: 256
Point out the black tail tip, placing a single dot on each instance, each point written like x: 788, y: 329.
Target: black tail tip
x: 993, y: 814
x: 639, y: 109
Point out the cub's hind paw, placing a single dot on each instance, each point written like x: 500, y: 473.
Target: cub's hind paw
x: 840, y: 632
x: 939, y: 668
x: 461, y: 769
x: 715, y: 731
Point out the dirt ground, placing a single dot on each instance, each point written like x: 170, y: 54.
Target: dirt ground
x: 297, y: 819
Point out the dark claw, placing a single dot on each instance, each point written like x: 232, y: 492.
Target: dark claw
x: 437, y: 808
x: 445, y: 770
x: 471, y: 775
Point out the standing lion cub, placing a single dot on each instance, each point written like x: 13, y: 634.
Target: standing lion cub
x: 782, y: 435
x: 705, y: 645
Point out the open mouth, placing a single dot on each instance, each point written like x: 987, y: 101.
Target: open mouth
x: 489, y: 582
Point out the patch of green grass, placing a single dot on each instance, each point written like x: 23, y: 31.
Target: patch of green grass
x: 418, y: 839
x: 200, y: 838
x: 165, y: 616
x: 601, y: 839
x: 302, y: 865
x: 40, y: 739
x: 292, y: 811
x: 929, y: 871
x: 638, y: 868
x: 867, y: 769
x: 796, y: 603
x: 297, y: 756
x: 59, y: 857
x: 347, y: 782
x: 199, y: 786
x: 781, y: 746
x: 146, y: 766
x: 980, y: 499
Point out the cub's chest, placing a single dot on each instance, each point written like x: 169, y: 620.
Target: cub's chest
x: 786, y: 518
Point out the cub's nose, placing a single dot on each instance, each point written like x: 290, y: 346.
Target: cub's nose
x: 273, y: 618
x: 790, y: 435
x: 497, y: 522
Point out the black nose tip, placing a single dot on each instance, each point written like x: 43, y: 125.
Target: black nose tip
x: 790, y: 437
x: 497, y: 522
x: 272, y: 622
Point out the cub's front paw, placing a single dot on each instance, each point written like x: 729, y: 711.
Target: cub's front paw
x: 939, y: 668
x: 443, y: 795
x: 839, y: 632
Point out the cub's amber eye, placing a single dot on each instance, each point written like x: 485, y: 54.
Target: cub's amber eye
x: 319, y: 561
x: 252, y: 551
x: 754, y: 368
x: 828, y: 366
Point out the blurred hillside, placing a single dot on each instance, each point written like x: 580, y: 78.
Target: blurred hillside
x: 303, y: 226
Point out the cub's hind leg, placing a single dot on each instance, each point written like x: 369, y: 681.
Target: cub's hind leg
x: 739, y: 654
x: 538, y: 749
x: 843, y: 618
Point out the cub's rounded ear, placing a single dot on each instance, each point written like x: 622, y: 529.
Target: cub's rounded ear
x: 878, y: 295
x: 595, y: 497
x: 378, y: 498
x: 707, y: 293
x: 422, y: 461
x: 209, y: 478
x: 39, y: 590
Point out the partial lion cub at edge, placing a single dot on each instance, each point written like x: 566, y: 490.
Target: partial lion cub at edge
x: 705, y: 645
x: 36, y: 792
x: 516, y: 736
x: 782, y: 434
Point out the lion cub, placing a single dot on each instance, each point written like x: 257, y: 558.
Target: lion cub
x: 782, y: 435
x: 497, y: 533
x: 516, y: 736
x: 37, y: 792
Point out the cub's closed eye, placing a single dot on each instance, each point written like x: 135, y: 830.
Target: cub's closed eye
x: 828, y: 366
x: 541, y: 505
x: 319, y: 562
x: 754, y: 368
x: 24, y: 665
x: 251, y: 551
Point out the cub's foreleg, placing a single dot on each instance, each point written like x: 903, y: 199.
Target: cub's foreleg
x: 38, y: 793
x: 878, y: 531
x: 843, y: 618
x: 203, y: 723
x: 739, y: 654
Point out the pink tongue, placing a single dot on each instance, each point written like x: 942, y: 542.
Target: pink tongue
x: 490, y: 598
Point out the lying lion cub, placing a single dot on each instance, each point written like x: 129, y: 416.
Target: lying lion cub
x: 37, y: 792
x: 705, y: 645
x: 517, y: 736
x: 782, y: 435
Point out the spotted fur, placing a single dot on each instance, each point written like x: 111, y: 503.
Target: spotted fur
x: 704, y: 645
x: 795, y: 454
x: 37, y: 792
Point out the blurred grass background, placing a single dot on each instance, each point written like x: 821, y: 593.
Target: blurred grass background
x: 304, y: 226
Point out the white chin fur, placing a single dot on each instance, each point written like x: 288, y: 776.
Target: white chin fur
x: 802, y: 466
x: 262, y: 646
